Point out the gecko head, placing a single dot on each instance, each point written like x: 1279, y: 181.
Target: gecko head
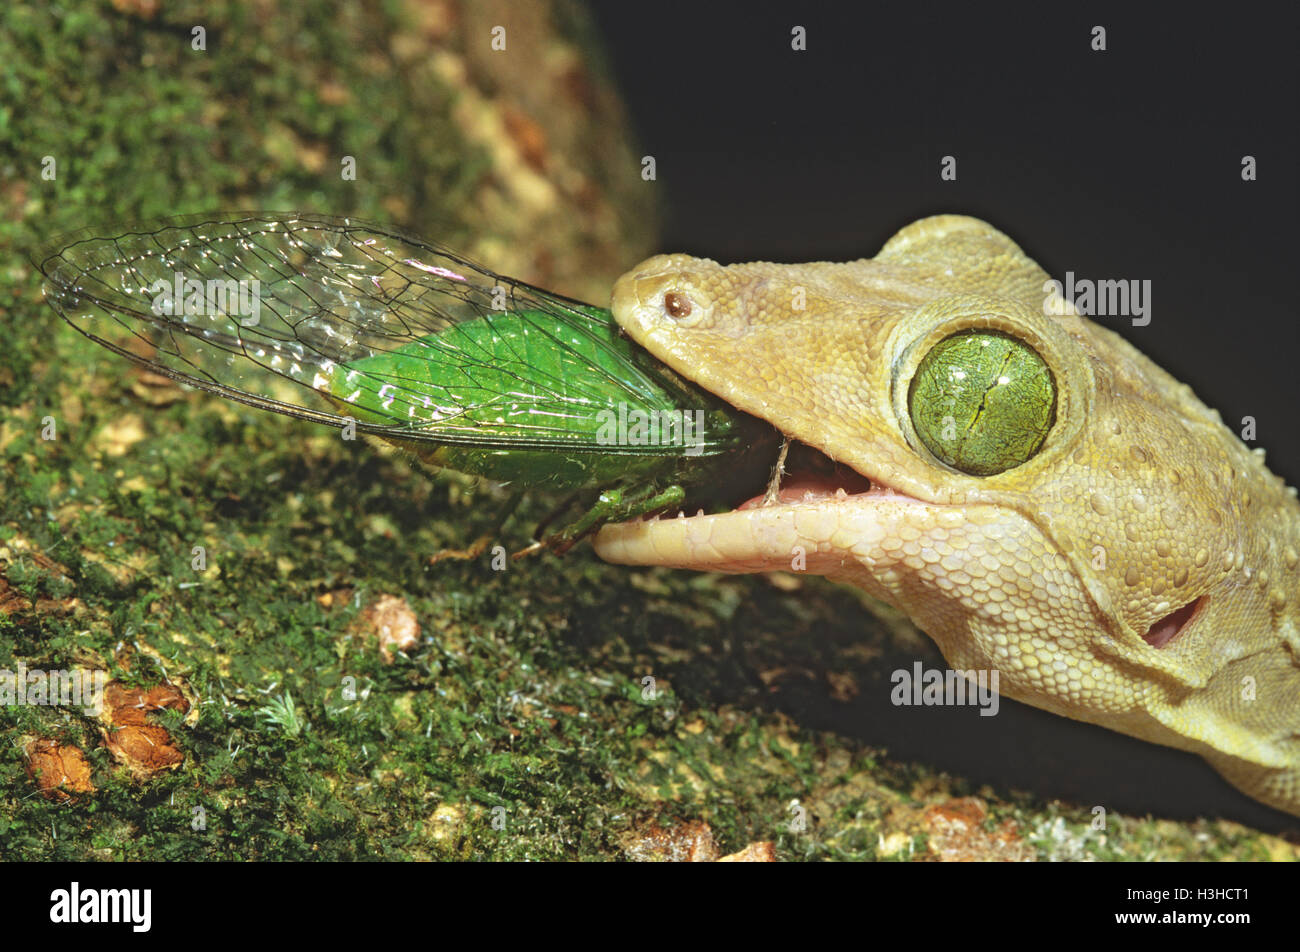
x: 916, y: 381
x: 1031, y: 490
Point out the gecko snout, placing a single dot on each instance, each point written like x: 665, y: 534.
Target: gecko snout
x: 661, y: 292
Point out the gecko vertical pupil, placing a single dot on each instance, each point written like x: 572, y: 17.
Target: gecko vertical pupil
x: 677, y: 304
x: 982, y: 401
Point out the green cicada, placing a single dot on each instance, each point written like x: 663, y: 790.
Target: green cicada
x: 405, y: 341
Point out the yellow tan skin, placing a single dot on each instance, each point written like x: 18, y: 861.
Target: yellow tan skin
x: 1139, y: 502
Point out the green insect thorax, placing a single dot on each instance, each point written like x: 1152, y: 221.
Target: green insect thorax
x: 551, y: 400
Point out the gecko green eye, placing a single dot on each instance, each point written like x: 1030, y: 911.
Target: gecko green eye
x: 982, y: 401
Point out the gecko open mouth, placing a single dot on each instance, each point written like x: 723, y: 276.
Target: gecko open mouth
x: 774, y: 518
x: 804, y: 474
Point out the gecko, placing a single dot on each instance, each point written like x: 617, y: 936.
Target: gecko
x: 1032, y: 491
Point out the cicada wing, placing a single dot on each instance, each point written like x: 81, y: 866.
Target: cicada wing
x: 408, y: 340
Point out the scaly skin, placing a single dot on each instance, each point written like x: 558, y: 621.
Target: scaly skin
x: 1054, y: 572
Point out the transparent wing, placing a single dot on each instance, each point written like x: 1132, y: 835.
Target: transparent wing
x: 406, y: 339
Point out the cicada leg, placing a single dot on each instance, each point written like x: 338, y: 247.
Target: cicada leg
x: 613, y: 505
x: 774, y: 483
x: 539, y: 533
x: 539, y: 542
x: 479, y: 545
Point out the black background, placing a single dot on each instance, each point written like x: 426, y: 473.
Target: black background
x: 1117, y: 164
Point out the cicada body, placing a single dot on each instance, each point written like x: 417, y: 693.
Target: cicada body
x: 398, y: 338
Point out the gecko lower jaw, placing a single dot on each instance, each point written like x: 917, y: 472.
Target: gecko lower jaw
x: 802, y: 530
x: 815, y: 496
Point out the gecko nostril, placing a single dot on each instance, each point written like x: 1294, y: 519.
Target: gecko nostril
x: 677, y: 304
x: 1171, y: 626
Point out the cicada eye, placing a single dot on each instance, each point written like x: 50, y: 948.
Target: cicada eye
x: 982, y: 401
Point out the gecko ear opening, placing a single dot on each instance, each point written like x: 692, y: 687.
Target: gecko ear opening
x: 1171, y: 626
